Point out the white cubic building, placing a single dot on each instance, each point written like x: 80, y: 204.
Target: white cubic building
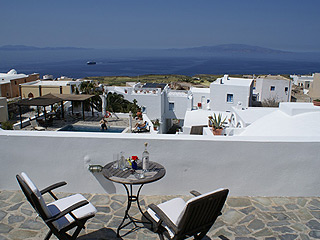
x: 275, y: 88
x: 3, y: 109
x: 149, y: 96
x: 284, y: 121
x: 302, y: 80
x: 201, y: 98
x: 228, y: 92
x: 176, y: 105
x: 158, y: 101
x: 39, y: 88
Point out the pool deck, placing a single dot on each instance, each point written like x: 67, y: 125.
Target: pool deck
x: 89, y: 121
x: 242, y: 218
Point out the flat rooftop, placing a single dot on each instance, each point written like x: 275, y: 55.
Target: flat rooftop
x: 50, y: 83
x: 242, y: 217
x: 233, y: 81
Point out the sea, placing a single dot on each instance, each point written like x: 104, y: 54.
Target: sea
x: 73, y: 63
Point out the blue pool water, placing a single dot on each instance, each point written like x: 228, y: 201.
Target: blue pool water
x: 83, y: 128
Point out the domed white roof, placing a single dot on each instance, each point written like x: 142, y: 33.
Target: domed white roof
x: 291, y: 119
x: 12, y: 72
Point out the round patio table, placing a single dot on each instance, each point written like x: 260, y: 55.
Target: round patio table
x: 128, y: 178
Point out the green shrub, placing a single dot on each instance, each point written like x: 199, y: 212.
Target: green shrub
x: 270, y: 102
x: 7, y: 126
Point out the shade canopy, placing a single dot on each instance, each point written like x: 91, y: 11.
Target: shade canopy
x: 50, y: 99
x: 45, y: 100
x: 73, y: 97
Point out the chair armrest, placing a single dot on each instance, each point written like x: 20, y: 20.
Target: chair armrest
x: 51, y: 187
x: 163, y: 218
x: 67, y: 211
x: 195, y: 193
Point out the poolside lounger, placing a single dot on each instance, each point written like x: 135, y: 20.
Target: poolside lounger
x: 35, y: 125
x: 145, y: 128
x: 177, y: 219
x: 61, y: 215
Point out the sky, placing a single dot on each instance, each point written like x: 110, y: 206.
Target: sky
x: 279, y: 24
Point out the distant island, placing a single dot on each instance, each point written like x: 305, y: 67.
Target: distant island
x: 223, y: 48
x: 219, y: 59
x: 232, y: 48
x: 32, y: 48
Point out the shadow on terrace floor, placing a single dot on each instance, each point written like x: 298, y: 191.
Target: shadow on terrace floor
x: 103, y: 233
x: 243, y: 218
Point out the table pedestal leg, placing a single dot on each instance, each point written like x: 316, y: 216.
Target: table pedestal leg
x: 134, y: 221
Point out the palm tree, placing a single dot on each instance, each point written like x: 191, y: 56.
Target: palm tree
x: 117, y: 103
x: 87, y: 87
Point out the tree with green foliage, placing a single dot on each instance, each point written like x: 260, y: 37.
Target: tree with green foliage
x: 117, y: 103
x: 88, y: 87
x: 271, y: 102
x: 7, y: 126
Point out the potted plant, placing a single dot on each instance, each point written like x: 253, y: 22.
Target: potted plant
x: 210, y: 121
x: 217, y: 123
x: 156, y: 124
x: 316, y: 102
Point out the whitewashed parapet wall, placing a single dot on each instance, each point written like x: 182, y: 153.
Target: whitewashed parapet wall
x: 246, y: 165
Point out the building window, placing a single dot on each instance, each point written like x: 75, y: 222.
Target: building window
x: 230, y: 98
x: 15, y: 82
x: 171, y: 106
x: 286, y: 89
x: 272, y: 88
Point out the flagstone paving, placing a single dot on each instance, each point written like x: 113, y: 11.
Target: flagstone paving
x: 243, y: 218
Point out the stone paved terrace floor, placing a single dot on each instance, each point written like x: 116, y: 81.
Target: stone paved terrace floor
x: 243, y: 218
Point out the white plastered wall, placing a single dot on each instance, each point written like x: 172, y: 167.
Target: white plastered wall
x: 248, y: 166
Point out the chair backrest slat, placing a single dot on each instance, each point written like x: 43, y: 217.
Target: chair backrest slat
x: 202, y: 212
x: 33, y: 195
x: 61, y: 226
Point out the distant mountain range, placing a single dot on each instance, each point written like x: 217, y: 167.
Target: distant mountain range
x: 233, y: 51
x: 220, y: 59
x: 225, y: 48
x: 244, y: 51
x: 31, y: 48
x: 233, y: 48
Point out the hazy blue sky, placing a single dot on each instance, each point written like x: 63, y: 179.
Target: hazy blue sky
x: 280, y: 24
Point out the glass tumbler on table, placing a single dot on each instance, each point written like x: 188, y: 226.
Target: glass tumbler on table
x: 122, y: 161
x: 116, y: 160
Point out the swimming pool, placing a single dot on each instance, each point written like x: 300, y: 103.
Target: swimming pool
x: 84, y: 128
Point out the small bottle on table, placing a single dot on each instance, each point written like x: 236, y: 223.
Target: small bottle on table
x: 145, y: 158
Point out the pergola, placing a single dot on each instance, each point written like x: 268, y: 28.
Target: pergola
x: 50, y: 99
